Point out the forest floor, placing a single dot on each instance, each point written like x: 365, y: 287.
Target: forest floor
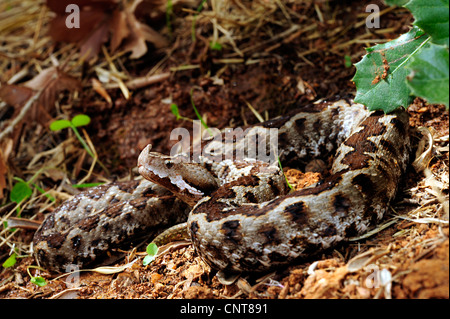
x: 272, y: 56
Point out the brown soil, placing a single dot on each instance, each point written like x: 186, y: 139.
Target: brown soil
x: 412, y: 253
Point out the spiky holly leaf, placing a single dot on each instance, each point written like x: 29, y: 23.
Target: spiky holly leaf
x: 429, y: 76
x: 380, y: 76
x: 432, y: 16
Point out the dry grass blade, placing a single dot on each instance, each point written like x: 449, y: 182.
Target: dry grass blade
x: 105, y: 270
x: 14, y: 222
x: 374, y: 231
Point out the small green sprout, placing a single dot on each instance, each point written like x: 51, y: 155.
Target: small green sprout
x: 22, y: 190
x: 11, y: 261
x: 37, y: 280
x: 151, y: 250
x: 287, y: 182
x: 176, y: 112
x: 213, y: 45
x: 348, y: 61
x: 169, y: 13
x: 198, y: 113
x: 199, y: 8
x: 77, y: 121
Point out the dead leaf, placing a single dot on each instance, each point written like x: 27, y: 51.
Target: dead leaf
x: 93, y: 28
x: 15, y: 95
x: 98, y: 18
x: 34, y: 100
x: 119, y: 21
x: 5, y: 150
x: 52, y: 80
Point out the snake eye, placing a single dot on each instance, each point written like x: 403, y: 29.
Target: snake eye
x: 169, y: 164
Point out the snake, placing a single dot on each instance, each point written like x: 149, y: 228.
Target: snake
x: 240, y: 213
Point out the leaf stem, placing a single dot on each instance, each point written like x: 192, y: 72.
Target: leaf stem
x: 287, y: 182
x: 198, y: 114
x: 85, y: 146
x: 412, y: 54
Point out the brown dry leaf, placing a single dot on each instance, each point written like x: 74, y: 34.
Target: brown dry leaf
x: 141, y: 32
x: 51, y: 80
x: 99, y: 17
x: 119, y: 23
x: 4, y: 153
x: 94, y: 23
x: 15, y: 95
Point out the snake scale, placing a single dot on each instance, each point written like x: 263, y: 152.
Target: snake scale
x: 240, y: 215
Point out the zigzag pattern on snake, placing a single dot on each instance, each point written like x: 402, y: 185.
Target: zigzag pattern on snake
x: 240, y: 215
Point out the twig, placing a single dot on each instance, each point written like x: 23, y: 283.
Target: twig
x: 21, y: 115
x: 141, y: 81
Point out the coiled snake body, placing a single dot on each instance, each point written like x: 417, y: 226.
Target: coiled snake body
x: 240, y: 215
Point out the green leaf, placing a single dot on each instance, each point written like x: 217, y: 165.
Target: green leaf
x: 200, y: 7
x: 39, y: 281
x: 215, y: 46
x: 174, y: 109
x: 348, y: 61
x: 381, y: 76
x: 151, y: 250
x: 81, y: 120
x: 432, y: 16
x: 429, y: 76
x: 59, y: 125
x: 20, y: 191
x: 147, y: 260
x: 11, y: 261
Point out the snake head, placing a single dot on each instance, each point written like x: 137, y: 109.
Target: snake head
x: 188, y: 181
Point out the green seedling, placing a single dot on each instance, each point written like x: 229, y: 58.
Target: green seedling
x: 11, y: 261
x: 176, y: 112
x: 287, y: 182
x: 169, y: 14
x: 151, y: 250
x: 348, y: 61
x: 37, y: 280
x: 215, y: 46
x: 77, y: 121
x: 198, y: 114
x: 22, y: 190
x: 199, y: 9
